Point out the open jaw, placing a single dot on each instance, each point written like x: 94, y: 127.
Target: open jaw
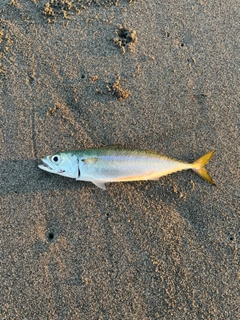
x: 46, y: 167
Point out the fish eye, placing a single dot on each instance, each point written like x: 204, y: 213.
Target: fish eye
x: 55, y: 158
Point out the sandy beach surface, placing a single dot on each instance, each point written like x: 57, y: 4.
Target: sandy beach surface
x: 155, y: 75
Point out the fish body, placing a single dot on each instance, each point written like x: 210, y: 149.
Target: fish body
x: 115, y: 164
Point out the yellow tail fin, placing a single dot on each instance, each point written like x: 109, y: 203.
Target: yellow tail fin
x: 199, y: 167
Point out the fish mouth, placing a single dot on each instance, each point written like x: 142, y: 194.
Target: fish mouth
x: 46, y: 167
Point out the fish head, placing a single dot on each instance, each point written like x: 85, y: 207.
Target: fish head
x: 64, y: 164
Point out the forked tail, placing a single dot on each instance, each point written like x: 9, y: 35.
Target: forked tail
x: 199, y: 167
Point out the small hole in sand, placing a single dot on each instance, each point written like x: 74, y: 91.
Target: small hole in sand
x: 50, y: 236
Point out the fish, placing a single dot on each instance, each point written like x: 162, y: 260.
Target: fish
x: 116, y: 164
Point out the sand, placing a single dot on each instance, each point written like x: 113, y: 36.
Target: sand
x: 158, y: 75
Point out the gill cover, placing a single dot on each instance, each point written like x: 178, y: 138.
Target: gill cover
x: 64, y: 164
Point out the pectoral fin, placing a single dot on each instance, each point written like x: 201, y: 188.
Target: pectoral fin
x: 90, y: 160
x: 100, y: 184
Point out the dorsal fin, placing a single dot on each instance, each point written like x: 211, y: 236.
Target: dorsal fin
x: 111, y: 146
x: 152, y: 151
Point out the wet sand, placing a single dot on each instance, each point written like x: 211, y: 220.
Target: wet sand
x: 151, y: 75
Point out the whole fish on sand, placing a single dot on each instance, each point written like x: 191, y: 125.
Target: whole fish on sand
x: 116, y: 164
